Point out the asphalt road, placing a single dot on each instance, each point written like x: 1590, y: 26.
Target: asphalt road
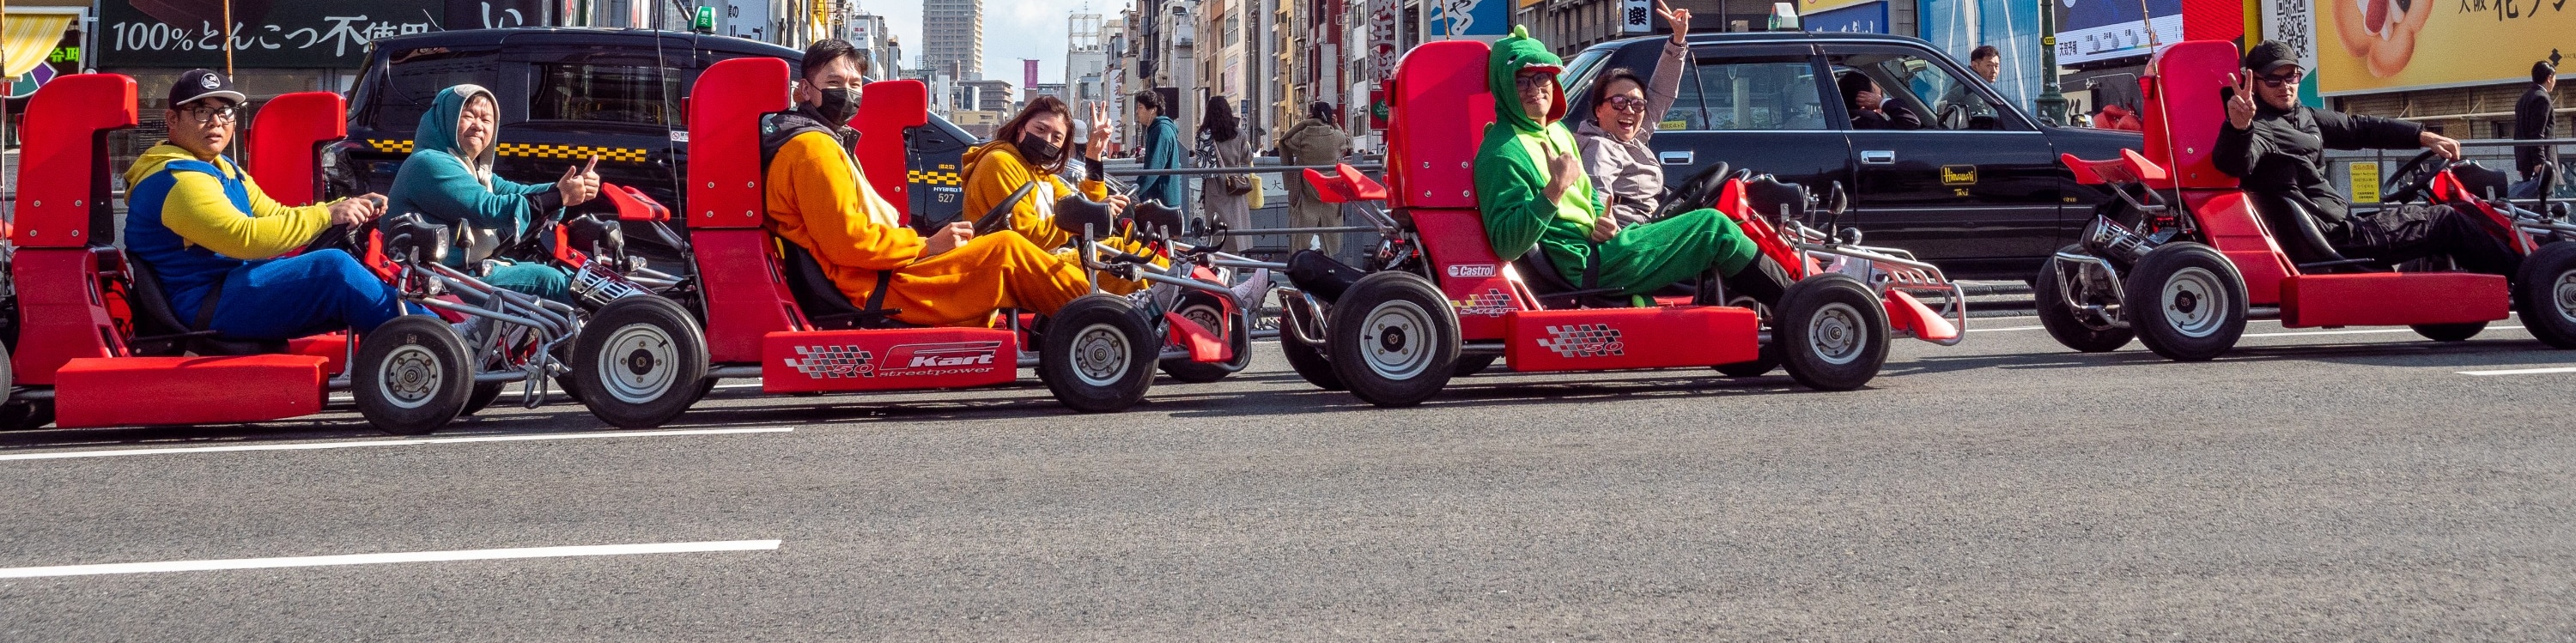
x: 2332, y: 486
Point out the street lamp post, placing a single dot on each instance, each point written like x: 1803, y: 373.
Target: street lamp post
x: 2051, y: 102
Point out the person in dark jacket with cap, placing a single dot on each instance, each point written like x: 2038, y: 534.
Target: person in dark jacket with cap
x: 2534, y: 118
x: 211, y: 236
x: 2276, y: 148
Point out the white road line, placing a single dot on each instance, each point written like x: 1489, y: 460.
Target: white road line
x: 384, y: 443
x: 397, y: 557
x: 2522, y: 371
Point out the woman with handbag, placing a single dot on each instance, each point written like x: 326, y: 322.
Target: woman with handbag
x: 1222, y: 198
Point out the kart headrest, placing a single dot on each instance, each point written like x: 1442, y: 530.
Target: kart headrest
x: 62, y: 164
x: 1153, y: 219
x: 595, y: 235
x: 725, y: 107
x: 1074, y: 211
x: 1439, y: 108
x: 410, y: 238
x: 887, y: 109
x: 2480, y: 180
x: 1768, y: 196
x: 285, y: 144
x: 2186, y: 90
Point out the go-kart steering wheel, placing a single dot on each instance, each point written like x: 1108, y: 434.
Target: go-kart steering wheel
x: 2412, y: 179
x: 1696, y: 192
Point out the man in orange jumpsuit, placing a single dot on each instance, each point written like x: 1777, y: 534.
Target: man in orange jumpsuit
x: 819, y: 200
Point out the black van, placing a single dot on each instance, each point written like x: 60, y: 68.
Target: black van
x: 1983, y: 197
x: 567, y: 94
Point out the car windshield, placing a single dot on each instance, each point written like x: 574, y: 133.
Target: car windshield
x: 413, y: 79
x: 635, y: 94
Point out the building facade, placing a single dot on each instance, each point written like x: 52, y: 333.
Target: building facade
x: 952, y: 38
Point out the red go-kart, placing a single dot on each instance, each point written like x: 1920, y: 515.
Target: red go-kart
x: 1435, y: 300
x: 2183, y: 258
x: 94, y: 342
x: 769, y: 312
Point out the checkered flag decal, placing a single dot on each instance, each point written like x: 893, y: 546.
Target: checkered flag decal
x: 827, y: 362
x: 1583, y: 340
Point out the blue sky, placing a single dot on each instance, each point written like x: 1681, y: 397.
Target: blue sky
x: 1013, y: 30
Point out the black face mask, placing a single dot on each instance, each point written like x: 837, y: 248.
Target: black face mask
x: 839, y: 105
x: 1037, y: 149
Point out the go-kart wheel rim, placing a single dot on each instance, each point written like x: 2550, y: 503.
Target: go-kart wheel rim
x: 1836, y: 334
x: 2192, y: 302
x: 640, y: 365
x: 2565, y: 294
x: 409, y: 377
x: 1206, y: 316
x: 1395, y: 340
x: 1100, y: 355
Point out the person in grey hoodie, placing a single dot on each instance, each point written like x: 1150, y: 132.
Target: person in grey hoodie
x: 1624, y: 112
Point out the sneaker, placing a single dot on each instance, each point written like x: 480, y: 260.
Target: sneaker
x: 1253, y: 290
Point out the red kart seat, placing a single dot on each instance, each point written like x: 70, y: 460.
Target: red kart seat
x: 1431, y: 152
x: 746, y: 298
x: 62, y: 211
x: 1345, y: 185
x: 285, y: 143
x: 886, y: 109
x: 2185, y: 105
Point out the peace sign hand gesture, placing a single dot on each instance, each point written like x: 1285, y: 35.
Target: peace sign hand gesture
x: 1098, y: 143
x: 1678, y: 18
x: 2240, y: 108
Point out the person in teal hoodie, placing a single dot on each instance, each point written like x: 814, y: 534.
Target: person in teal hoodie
x: 449, y: 180
x: 1534, y: 193
x: 1161, y: 150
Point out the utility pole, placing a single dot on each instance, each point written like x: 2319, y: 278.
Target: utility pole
x: 2051, y: 102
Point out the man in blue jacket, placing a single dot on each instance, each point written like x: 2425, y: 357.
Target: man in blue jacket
x: 1161, y: 150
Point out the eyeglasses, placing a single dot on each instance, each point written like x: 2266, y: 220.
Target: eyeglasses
x: 1628, y: 104
x: 204, y: 114
x: 1532, y: 81
x: 2276, y: 81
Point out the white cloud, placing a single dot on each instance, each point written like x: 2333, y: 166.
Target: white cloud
x: 1013, y: 30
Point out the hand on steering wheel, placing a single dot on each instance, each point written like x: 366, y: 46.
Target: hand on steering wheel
x: 2413, y: 178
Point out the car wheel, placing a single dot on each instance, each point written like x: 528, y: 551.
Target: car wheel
x: 1207, y: 312
x: 1307, y: 359
x: 1831, y: 333
x: 2186, y: 302
x: 2450, y: 332
x: 2064, y: 323
x: 1097, y: 354
x: 1472, y: 364
x: 1393, y: 339
x: 412, y: 375
x: 2546, y: 294
x: 639, y: 362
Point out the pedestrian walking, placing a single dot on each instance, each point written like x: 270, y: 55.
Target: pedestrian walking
x: 1223, y: 198
x: 1315, y: 141
x: 2535, y: 117
x: 1161, y: 150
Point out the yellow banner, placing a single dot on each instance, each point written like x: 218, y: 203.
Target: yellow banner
x: 2388, y: 45
x: 1811, y: 6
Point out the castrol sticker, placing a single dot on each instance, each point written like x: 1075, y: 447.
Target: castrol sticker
x: 1467, y: 270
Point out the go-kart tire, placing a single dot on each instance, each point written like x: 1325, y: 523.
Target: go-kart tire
x: 2064, y: 323
x: 1472, y: 364
x: 639, y: 362
x: 484, y: 394
x: 2450, y: 332
x: 26, y: 416
x: 2546, y: 294
x: 1204, y: 309
x: 1831, y: 332
x: 2170, y: 302
x: 412, y: 375
x: 1097, y: 354
x: 1307, y: 359
x: 1393, y: 339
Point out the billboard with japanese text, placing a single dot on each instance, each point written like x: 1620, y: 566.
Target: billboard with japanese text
x: 284, y: 33
x: 2387, y: 45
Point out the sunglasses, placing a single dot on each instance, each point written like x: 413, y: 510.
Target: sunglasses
x: 2277, y: 81
x: 209, y: 114
x: 1532, y: 81
x: 1626, y: 104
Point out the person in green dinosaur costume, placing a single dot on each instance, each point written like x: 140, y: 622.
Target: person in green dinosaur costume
x: 1533, y: 192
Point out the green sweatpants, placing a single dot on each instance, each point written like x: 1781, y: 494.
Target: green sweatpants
x: 1644, y: 257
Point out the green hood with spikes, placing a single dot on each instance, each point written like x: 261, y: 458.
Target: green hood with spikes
x: 1511, y: 55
